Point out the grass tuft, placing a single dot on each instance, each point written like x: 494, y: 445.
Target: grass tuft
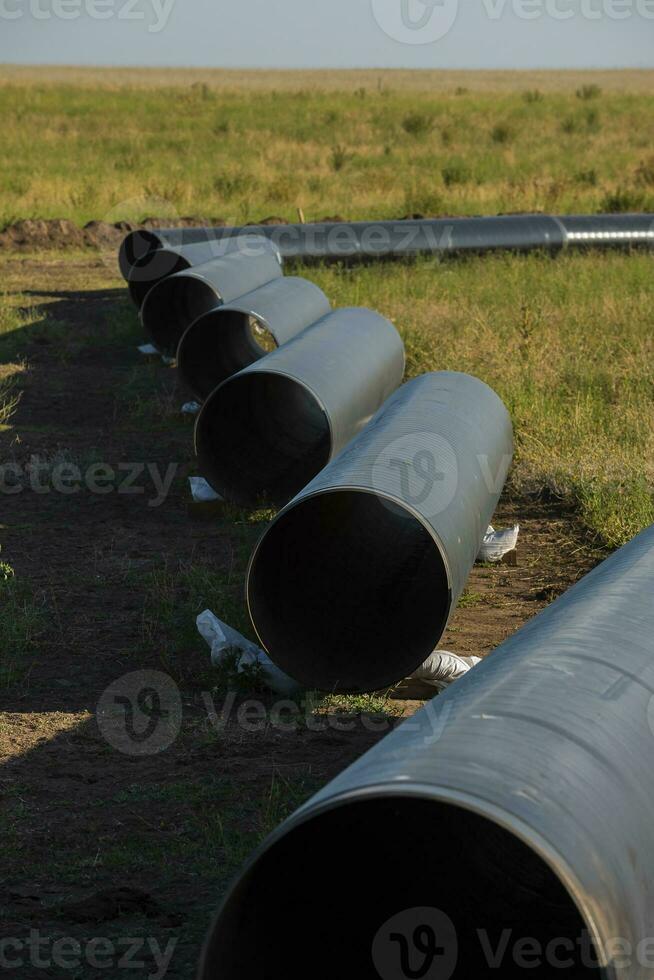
x: 22, y: 623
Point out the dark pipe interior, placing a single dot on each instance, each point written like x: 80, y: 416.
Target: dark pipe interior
x: 151, y: 269
x: 319, y: 903
x: 262, y: 436
x: 348, y: 592
x: 134, y: 248
x: 218, y: 345
x: 173, y: 306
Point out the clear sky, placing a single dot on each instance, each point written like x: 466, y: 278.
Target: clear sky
x: 330, y: 33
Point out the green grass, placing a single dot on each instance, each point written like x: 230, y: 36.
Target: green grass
x: 173, y: 599
x: 179, y: 841
x: 226, y: 828
x: 469, y: 599
x: 568, y: 345
x: 22, y: 622
x: 85, y: 153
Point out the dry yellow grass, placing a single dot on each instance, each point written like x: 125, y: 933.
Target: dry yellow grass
x: 267, y: 80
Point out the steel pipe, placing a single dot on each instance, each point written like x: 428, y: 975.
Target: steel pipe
x: 609, y: 230
x: 267, y: 431
x: 367, y: 239
x: 439, y: 236
x: 352, y: 586
x: 176, y: 301
x: 159, y: 263
x: 510, y: 820
x: 225, y: 340
x: 164, y: 262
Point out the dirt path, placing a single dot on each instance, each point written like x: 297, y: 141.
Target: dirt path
x: 99, y: 844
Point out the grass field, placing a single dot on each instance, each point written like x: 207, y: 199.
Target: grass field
x: 92, y: 587
x: 567, y: 343
x: 221, y: 147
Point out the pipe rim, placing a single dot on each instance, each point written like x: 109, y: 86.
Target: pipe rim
x: 148, y: 237
x: 354, y: 488
x: 256, y: 371
x: 164, y: 292
x: 476, y: 805
x: 219, y: 313
x: 140, y: 289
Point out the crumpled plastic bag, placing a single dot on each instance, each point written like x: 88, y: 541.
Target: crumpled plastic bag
x: 149, y: 350
x: 497, y: 544
x: 439, y: 671
x: 443, y: 668
x: 201, y: 491
x: 225, y: 641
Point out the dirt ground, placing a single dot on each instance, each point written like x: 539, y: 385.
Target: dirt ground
x: 101, y: 844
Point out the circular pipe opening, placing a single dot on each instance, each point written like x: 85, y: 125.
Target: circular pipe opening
x: 151, y: 269
x: 135, y: 247
x: 348, y: 592
x: 218, y: 345
x: 172, y: 306
x: 262, y: 437
x: 412, y: 887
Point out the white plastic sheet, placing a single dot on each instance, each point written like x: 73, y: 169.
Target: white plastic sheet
x: 201, y: 491
x: 439, y: 671
x: 497, y: 544
x: 443, y: 668
x: 149, y: 350
x: 225, y: 641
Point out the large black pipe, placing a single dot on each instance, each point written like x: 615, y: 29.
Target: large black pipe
x: 267, y: 431
x: 170, y: 259
x: 176, y: 301
x: 440, y: 236
x: 504, y: 831
x: 225, y: 340
x: 353, y: 584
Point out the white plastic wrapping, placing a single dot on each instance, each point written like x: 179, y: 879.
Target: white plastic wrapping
x: 225, y: 641
x: 443, y: 668
x: 201, y: 491
x: 497, y: 544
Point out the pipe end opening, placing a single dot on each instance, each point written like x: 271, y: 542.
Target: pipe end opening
x: 261, y: 438
x: 392, y: 887
x: 348, y: 591
x: 172, y: 306
x: 218, y: 345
